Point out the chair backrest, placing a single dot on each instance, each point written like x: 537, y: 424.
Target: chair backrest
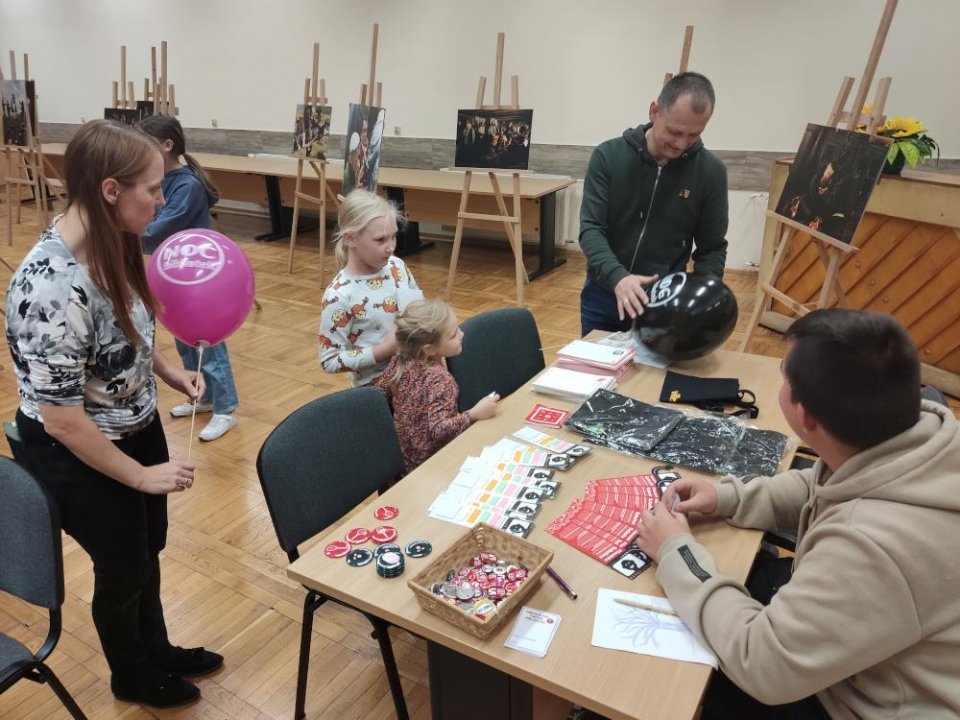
x: 501, y: 351
x: 31, y: 556
x: 324, y: 459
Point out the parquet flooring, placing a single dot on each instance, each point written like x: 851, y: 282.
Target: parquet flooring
x: 224, y: 580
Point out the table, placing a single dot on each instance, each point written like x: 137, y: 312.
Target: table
x: 615, y: 684
x: 908, y: 265
x: 424, y: 195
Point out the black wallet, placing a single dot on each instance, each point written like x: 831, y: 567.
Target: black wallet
x: 713, y: 394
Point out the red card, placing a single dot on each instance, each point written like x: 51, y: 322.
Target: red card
x: 543, y: 415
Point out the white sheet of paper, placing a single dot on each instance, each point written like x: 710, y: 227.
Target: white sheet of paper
x: 621, y: 627
x: 533, y: 631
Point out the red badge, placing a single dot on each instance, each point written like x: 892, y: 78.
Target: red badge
x: 383, y: 534
x: 337, y: 549
x: 386, y: 512
x: 358, y: 536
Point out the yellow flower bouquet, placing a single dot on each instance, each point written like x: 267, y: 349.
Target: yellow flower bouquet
x: 910, y: 142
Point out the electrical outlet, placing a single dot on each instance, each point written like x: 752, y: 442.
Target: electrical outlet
x: 396, y: 129
x: 214, y: 122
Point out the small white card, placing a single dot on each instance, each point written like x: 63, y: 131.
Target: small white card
x: 533, y: 632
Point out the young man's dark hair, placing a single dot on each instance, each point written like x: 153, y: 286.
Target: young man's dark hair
x: 856, y: 372
x: 697, y: 86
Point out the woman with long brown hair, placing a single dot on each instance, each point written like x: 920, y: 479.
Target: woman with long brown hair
x: 80, y: 327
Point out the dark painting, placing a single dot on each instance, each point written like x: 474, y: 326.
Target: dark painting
x: 831, y: 180
x: 498, y: 139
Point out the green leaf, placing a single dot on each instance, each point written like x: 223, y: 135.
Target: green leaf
x: 892, y: 153
x: 911, y: 153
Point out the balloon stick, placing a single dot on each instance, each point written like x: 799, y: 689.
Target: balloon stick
x: 193, y: 415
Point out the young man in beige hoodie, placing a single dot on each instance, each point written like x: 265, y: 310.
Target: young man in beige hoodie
x: 868, y: 624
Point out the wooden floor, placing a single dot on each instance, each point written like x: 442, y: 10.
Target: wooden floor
x: 224, y: 581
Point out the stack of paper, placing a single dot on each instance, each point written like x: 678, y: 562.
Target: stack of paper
x: 584, y: 355
x: 572, y: 385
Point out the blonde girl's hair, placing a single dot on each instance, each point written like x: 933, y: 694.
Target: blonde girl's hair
x: 357, y: 210
x: 421, y: 323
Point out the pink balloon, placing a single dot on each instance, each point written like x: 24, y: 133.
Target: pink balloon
x: 204, y: 283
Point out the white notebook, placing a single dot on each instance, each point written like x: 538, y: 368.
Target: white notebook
x: 604, y: 356
x: 571, y: 384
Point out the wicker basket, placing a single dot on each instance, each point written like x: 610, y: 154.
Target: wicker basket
x: 481, y: 538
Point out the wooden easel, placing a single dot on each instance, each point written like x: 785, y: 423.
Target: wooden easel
x: 684, y: 54
x: 832, y: 252
x: 25, y: 165
x: 374, y: 87
x: 155, y: 88
x: 511, y: 222
x: 372, y: 90
x: 312, y: 95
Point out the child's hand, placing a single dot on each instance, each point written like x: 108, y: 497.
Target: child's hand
x: 485, y: 409
x: 386, y: 348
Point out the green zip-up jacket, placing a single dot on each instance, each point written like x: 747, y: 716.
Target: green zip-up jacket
x: 641, y: 219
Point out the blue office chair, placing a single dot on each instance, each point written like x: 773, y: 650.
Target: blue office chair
x: 31, y: 568
x: 501, y: 352
x: 318, y: 464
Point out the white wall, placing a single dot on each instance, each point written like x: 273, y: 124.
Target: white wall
x: 588, y: 69
x: 744, y: 235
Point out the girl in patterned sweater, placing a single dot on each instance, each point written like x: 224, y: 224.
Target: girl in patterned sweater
x: 420, y: 389
x: 359, y: 307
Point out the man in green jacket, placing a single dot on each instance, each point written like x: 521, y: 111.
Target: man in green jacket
x: 649, y: 197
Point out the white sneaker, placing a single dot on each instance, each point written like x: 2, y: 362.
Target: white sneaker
x: 218, y: 426
x: 186, y: 409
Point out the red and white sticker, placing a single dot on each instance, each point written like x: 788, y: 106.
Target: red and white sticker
x: 337, y: 549
x: 358, y: 536
x: 386, y: 512
x: 383, y: 534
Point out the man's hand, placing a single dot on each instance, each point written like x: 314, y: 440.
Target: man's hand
x: 656, y: 525
x: 688, y: 495
x: 631, y: 297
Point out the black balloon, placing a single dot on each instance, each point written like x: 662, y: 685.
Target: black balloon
x: 689, y: 315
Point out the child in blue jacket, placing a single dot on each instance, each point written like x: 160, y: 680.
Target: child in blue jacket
x: 189, y: 194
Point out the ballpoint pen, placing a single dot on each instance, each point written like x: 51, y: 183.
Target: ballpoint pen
x: 562, y: 583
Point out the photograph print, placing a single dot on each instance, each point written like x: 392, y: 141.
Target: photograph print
x: 361, y: 157
x: 311, y: 129
x: 144, y: 108
x: 127, y: 116
x: 16, y: 110
x: 498, y: 139
x: 831, y: 180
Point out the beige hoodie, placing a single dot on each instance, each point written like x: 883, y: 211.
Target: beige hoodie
x: 870, y: 620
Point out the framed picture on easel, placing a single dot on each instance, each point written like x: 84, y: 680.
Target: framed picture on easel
x: 498, y: 139
x: 831, y: 180
x: 16, y: 112
x: 311, y: 129
x: 361, y: 163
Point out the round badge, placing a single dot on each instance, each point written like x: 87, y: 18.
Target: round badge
x: 358, y: 536
x: 358, y: 557
x: 337, y: 549
x: 383, y: 534
x: 419, y: 548
x: 386, y: 512
x: 388, y: 547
